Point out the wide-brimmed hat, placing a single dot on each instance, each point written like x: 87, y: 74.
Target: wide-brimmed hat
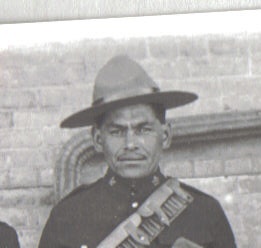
x: 121, y: 82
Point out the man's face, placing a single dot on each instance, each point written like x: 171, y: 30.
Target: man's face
x: 132, y: 139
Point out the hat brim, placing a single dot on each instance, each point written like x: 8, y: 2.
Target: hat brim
x: 88, y: 116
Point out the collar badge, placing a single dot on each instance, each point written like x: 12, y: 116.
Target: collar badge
x: 112, y: 181
x: 155, y: 180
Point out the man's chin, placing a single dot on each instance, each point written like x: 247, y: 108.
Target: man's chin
x: 132, y: 171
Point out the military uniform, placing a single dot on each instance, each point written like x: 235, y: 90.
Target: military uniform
x: 8, y: 236
x: 86, y: 216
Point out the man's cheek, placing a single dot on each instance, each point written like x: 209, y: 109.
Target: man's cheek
x: 148, y: 140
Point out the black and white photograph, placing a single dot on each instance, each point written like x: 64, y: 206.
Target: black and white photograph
x: 131, y: 132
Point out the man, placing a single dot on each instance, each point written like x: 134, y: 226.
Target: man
x: 134, y: 205
x: 8, y: 236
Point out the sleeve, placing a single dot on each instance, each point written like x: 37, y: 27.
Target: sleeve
x: 8, y: 237
x: 221, y: 229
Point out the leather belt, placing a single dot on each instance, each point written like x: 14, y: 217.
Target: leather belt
x: 161, y: 208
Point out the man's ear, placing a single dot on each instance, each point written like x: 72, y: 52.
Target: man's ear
x: 166, y: 136
x: 96, y: 137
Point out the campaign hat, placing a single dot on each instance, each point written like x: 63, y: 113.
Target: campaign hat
x: 122, y: 82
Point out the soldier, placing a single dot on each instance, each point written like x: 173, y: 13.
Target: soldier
x: 8, y: 236
x: 134, y: 205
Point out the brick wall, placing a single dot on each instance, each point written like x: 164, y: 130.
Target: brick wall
x: 40, y: 86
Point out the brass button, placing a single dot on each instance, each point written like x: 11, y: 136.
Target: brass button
x: 135, y: 204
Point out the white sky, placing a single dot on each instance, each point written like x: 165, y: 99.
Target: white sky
x: 38, y: 34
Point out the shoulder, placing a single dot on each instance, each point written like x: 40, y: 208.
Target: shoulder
x: 206, y: 207
x: 6, y: 229
x: 196, y: 192
x: 202, y: 199
x: 78, y: 197
x: 7, y: 234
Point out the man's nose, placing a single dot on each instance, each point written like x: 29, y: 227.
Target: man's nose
x: 130, y: 140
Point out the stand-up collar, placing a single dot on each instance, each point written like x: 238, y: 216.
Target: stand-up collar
x: 152, y: 180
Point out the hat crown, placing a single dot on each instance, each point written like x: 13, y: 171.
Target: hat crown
x: 119, y: 78
x: 122, y: 82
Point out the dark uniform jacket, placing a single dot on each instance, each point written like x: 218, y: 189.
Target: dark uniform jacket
x: 8, y: 236
x: 89, y: 214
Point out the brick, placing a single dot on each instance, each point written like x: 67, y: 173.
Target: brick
x: 22, y: 197
x: 248, y: 206
x: 25, y: 218
x: 180, y: 169
x: 33, y: 218
x: 56, y: 136
x: 4, y: 178
x: 29, y: 238
x: 43, y: 214
x: 73, y: 72
x: 37, y: 119
x: 97, y: 52
x: 227, y: 149
x: 6, y: 119
x: 235, y: 45
x: 218, y: 66
x: 21, y: 139
x: 203, y: 87
x: 11, y: 57
x: 46, y: 177
x: 241, y: 147
x: 5, y: 161
x: 44, y: 118
x: 107, y: 48
x: 186, y: 110
x: 256, y: 165
x: 43, y: 68
x: 236, y: 96
x: 23, y: 177
x: 160, y: 70
x: 163, y: 47
x: 238, y: 166
x: 17, y: 99
x: 16, y: 217
x: 254, y: 42
x: 249, y: 184
x: 255, y: 65
x: 193, y: 47
x: 255, y: 53
x: 207, y: 168
x: 28, y: 159
x: 238, y: 103
x: 134, y: 47
x: 78, y: 97
x: 219, y: 187
x: 207, y: 105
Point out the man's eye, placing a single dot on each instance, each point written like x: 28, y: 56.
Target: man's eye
x: 145, y: 130
x: 116, y: 132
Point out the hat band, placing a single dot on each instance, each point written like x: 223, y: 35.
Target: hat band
x: 126, y: 94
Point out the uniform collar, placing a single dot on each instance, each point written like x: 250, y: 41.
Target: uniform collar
x: 152, y: 180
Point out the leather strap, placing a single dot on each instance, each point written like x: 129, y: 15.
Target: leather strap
x: 158, y: 211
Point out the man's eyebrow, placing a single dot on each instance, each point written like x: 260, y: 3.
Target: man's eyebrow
x: 144, y: 123
x: 135, y: 125
x: 115, y: 125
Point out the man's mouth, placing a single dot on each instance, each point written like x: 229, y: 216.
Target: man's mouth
x: 131, y: 157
